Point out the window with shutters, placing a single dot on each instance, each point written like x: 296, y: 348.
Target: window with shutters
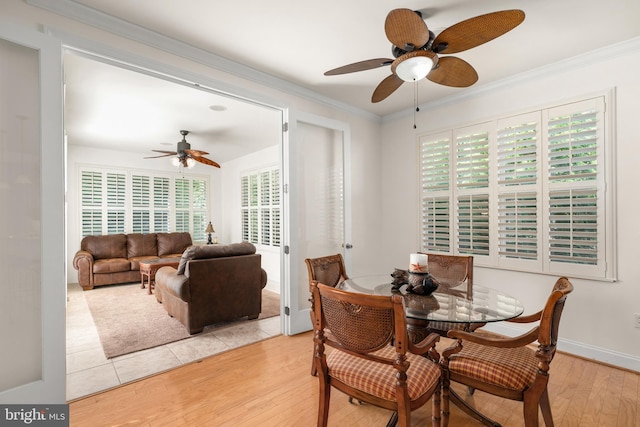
x: 531, y: 192
x: 260, y: 207
x: 138, y: 202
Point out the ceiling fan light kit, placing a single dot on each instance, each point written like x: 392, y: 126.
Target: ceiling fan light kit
x: 414, y: 66
x: 416, y: 49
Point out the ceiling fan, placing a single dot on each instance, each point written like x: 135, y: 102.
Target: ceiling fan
x: 416, y: 49
x: 185, y: 156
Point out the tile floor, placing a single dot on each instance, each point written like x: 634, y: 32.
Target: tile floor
x: 89, y: 371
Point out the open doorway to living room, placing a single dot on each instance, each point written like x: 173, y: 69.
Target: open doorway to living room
x: 117, y: 116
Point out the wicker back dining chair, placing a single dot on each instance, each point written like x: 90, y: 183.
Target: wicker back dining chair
x: 329, y: 270
x: 507, y: 367
x: 372, y: 358
x: 453, y: 271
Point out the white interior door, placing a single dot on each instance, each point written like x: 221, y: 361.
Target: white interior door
x: 33, y: 283
x: 317, y: 206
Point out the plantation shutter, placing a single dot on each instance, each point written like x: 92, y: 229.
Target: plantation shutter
x: 91, y: 200
x: 519, y: 210
x: 182, y: 204
x: 140, y: 201
x: 435, y: 171
x: 575, y: 156
x: 260, y: 207
x: 199, y: 206
x: 275, y: 207
x: 472, y: 189
x: 161, y: 206
x: 116, y: 196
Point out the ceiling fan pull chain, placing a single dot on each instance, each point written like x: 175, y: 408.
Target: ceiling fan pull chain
x: 415, y: 102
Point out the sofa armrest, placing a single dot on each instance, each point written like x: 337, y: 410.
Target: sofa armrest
x: 168, y: 280
x: 83, y: 262
x: 263, y: 278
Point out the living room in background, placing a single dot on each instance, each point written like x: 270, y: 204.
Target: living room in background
x: 260, y: 207
x: 132, y: 201
x: 530, y: 192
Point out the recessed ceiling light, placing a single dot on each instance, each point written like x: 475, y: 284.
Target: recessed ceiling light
x: 166, y: 143
x: 218, y: 108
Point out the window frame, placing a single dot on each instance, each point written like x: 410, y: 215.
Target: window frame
x: 131, y: 207
x: 260, y: 208
x: 437, y: 181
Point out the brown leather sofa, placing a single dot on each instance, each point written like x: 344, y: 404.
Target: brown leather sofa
x: 115, y: 258
x: 213, y: 283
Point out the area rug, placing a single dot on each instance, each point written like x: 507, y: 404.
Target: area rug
x: 128, y: 319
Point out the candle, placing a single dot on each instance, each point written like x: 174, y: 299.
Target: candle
x: 418, y: 263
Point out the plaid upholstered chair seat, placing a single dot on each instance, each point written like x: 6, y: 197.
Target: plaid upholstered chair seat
x: 515, y: 368
x: 380, y: 380
x: 512, y: 368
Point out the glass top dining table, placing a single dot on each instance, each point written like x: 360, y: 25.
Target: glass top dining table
x: 450, y: 302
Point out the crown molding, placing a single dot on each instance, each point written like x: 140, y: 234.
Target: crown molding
x: 568, y: 64
x: 87, y: 15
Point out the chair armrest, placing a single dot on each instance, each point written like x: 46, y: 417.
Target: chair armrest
x: 426, y: 346
x: 498, y: 341
x: 263, y: 278
x: 527, y: 319
x: 82, y: 257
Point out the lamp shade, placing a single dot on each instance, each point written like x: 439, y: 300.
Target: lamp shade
x: 209, y: 228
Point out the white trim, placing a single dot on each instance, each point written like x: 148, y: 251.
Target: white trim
x: 599, y: 354
x: 565, y: 66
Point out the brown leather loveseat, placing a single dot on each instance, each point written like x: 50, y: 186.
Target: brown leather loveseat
x: 213, y: 283
x: 115, y: 258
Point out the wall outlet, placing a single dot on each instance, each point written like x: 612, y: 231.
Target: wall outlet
x: 636, y: 318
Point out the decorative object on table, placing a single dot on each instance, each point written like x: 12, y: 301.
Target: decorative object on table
x: 418, y: 263
x: 421, y: 283
x: 209, y: 232
x: 400, y: 277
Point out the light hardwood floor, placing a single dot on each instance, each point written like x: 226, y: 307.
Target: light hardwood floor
x: 268, y: 384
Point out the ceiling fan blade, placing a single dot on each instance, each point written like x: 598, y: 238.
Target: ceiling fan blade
x: 452, y: 71
x: 386, y: 88
x: 405, y: 28
x: 369, y: 64
x: 167, y: 154
x: 476, y: 31
x: 206, y: 161
x: 196, y: 153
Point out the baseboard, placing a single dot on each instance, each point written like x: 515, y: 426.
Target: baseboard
x: 599, y: 354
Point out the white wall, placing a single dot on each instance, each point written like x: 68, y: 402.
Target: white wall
x: 598, y: 320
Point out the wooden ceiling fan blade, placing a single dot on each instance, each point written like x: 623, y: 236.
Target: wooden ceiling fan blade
x: 404, y: 27
x: 386, y: 88
x: 475, y: 31
x: 452, y: 71
x: 196, y: 153
x: 369, y: 64
x: 206, y: 161
x: 167, y: 154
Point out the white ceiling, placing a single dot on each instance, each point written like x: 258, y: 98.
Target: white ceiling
x: 298, y: 41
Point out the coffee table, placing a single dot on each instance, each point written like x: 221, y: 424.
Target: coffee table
x: 149, y: 268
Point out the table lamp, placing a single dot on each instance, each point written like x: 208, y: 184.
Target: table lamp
x: 209, y: 230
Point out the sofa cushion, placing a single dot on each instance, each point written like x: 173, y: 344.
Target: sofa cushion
x: 140, y: 245
x: 214, y: 251
x: 173, y: 243
x: 111, y: 265
x: 103, y: 247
